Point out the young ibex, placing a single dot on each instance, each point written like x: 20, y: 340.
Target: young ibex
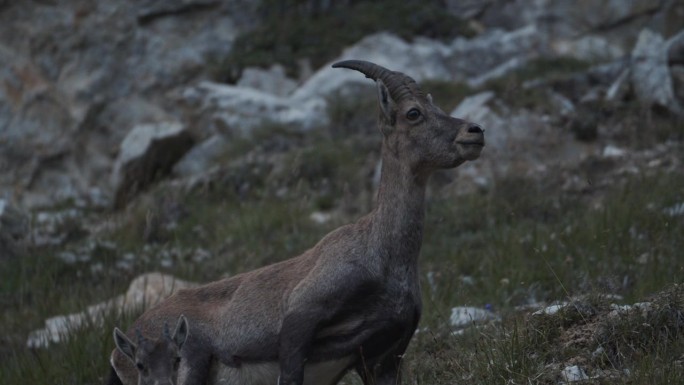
x: 156, y: 360
x: 353, y: 300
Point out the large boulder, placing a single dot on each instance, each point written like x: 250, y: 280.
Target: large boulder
x: 146, y: 153
x: 475, y: 61
x: 143, y: 292
x: 651, y: 78
x: 241, y: 109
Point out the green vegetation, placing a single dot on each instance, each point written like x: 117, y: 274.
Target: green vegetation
x: 445, y: 94
x: 616, y: 347
x: 511, y: 88
x: 291, y: 31
x: 516, y: 242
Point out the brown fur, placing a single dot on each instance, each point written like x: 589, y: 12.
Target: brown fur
x: 354, y: 297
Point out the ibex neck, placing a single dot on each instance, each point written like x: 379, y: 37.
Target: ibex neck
x: 397, y: 229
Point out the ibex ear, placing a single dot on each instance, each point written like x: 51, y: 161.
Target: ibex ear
x: 387, y: 105
x: 181, y: 332
x: 124, y: 344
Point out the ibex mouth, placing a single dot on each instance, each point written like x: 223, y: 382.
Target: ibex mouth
x: 470, y: 149
x: 479, y: 143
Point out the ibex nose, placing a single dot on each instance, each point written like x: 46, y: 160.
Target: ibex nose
x: 475, y: 129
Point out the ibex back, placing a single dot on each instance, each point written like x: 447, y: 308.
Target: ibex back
x: 352, y: 301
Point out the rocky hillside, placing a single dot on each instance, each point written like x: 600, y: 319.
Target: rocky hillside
x: 209, y: 137
x: 86, y: 84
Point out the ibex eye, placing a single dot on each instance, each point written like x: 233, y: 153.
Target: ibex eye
x: 140, y: 366
x: 413, y: 114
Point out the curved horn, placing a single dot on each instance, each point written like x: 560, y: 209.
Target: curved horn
x: 398, y: 84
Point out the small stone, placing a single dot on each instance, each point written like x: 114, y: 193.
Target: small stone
x: 573, y: 374
x: 675, y: 211
x: 320, y: 217
x: 463, y: 316
x: 550, y: 310
x: 611, y: 151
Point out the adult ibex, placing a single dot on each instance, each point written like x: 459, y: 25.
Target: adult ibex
x: 353, y: 300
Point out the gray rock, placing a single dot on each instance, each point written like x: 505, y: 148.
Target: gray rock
x: 36, y: 125
x: 496, y: 52
x: 99, y: 138
x: 146, y: 153
x: 517, y: 142
x: 650, y: 74
x: 551, y: 309
x: 573, y: 374
x: 674, y: 211
x: 143, y: 292
x: 498, y: 72
x: 273, y: 80
x: 243, y: 109
x: 574, y: 18
x: 590, y: 48
x: 587, y: 30
x: 474, y: 107
x: 463, y: 316
x: 202, y: 157
x: 489, y: 56
x: 66, y: 66
x: 606, y: 13
x: 14, y: 230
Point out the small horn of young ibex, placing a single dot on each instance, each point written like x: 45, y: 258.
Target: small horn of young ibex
x: 156, y: 360
x: 352, y: 301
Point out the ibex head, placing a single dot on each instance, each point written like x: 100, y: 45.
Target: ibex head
x: 414, y: 129
x: 157, y: 360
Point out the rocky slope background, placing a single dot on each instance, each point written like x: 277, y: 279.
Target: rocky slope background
x: 202, y: 138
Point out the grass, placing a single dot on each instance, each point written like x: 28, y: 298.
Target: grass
x: 631, y: 348
x: 519, y: 242
x: 552, y: 70
x: 534, y: 244
x: 517, y: 245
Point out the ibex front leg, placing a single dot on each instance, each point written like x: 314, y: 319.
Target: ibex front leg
x: 386, y: 370
x: 295, y: 341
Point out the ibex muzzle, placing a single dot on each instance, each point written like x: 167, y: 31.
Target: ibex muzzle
x: 352, y: 301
